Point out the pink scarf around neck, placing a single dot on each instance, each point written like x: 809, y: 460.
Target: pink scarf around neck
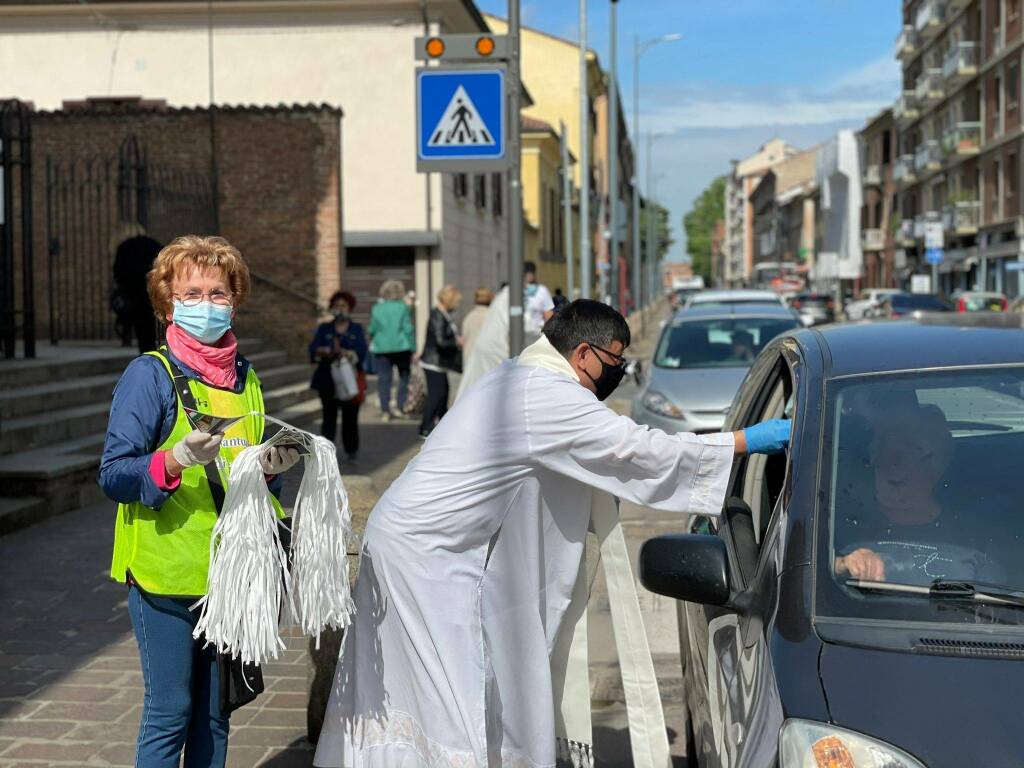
x: 215, y: 363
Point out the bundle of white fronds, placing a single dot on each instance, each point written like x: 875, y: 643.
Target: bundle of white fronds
x: 248, y: 577
x: 321, y: 530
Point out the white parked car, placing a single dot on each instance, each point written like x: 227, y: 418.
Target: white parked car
x: 869, y: 297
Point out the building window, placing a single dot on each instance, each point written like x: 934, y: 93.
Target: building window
x: 480, y: 191
x: 1011, y: 181
x: 1012, y: 87
x: 497, y: 191
x: 1012, y: 10
x: 886, y: 147
x: 460, y: 184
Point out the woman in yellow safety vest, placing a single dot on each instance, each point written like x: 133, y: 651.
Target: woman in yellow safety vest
x: 155, y: 466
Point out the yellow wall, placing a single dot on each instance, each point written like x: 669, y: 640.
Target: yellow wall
x: 540, y: 175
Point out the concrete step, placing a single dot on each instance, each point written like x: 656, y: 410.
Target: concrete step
x: 20, y: 513
x: 63, y: 363
x: 268, y: 360
x: 63, y: 393
x: 284, y: 374
x: 49, y: 429
x: 281, y: 398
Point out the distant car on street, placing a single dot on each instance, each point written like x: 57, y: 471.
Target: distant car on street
x: 980, y: 301
x: 868, y: 298
x: 722, y: 297
x: 904, y: 304
x: 700, y: 361
x: 860, y: 600
x: 814, y: 308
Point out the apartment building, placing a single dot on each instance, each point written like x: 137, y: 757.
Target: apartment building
x: 960, y: 138
x: 784, y: 214
x: 879, y: 217
x: 838, y: 263
x: 739, y: 211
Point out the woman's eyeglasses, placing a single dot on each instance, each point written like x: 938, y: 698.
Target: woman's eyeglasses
x: 194, y: 298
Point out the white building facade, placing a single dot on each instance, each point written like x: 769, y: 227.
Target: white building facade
x: 838, y: 246
x: 355, y: 54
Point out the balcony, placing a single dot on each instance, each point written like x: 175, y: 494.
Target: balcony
x: 955, y: 6
x: 963, y: 217
x: 872, y: 176
x: 906, y: 42
x: 904, y: 172
x: 905, y: 110
x: 872, y: 240
x: 962, y: 140
x: 928, y: 21
x: 928, y: 157
x: 929, y: 87
x: 961, y: 62
x: 905, y: 233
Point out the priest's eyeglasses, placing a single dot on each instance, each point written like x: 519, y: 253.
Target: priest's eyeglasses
x: 193, y: 298
x: 620, y: 361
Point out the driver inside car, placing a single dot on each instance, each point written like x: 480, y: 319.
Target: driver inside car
x: 896, y: 529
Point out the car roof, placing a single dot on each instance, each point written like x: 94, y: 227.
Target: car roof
x: 900, y: 345
x: 743, y: 309
x: 739, y: 294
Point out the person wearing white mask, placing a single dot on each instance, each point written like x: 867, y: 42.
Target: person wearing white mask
x: 167, y: 475
x: 538, y: 303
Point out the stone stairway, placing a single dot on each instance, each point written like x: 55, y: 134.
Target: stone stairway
x: 53, y: 415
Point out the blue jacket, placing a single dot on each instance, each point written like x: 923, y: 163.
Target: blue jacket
x: 354, y: 338
x: 141, y: 417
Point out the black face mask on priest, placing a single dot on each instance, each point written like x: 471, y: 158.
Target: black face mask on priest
x: 592, y: 337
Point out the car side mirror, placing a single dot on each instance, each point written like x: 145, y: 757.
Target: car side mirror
x: 687, y: 566
x: 635, y: 369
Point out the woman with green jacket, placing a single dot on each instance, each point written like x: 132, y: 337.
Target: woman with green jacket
x: 392, y: 341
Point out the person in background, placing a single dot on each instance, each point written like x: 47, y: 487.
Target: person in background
x: 133, y: 259
x: 474, y: 319
x: 559, y: 299
x: 154, y: 466
x: 441, y: 353
x: 392, y: 341
x: 340, y: 336
x: 538, y: 304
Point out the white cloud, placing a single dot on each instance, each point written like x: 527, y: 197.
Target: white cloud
x: 854, y: 95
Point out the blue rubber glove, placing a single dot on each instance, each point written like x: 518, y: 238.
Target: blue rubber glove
x: 770, y: 436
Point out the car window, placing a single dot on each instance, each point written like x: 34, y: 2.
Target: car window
x: 723, y: 343
x: 924, y: 485
x: 759, y: 479
x: 920, y: 301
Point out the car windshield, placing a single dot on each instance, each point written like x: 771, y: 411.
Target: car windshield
x: 722, y: 343
x: 922, y: 301
x: 924, y: 485
x: 978, y: 302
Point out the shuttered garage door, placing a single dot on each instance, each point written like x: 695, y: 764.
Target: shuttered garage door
x: 367, y: 268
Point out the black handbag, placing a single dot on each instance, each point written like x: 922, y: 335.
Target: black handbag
x: 240, y: 682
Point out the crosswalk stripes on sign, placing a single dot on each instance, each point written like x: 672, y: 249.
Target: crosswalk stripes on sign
x: 460, y: 124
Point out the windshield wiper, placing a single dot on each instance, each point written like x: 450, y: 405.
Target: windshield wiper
x: 947, y: 589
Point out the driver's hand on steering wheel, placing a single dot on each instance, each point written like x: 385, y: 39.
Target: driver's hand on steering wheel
x: 861, y: 564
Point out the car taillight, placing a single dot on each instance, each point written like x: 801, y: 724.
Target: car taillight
x: 1005, y: 304
x: 796, y: 304
x: 962, y: 306
x: 897, y: 313
x: 830, y: 304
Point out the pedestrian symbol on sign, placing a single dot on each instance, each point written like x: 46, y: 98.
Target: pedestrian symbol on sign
x: 460, y: 125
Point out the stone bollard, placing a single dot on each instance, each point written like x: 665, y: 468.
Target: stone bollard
x: 362, y: 495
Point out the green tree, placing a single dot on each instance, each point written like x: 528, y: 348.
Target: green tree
x: 662, y: 231
x: 699, y: 225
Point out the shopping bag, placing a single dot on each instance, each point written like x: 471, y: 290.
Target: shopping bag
x: 344, y: 374
x: 416, y: 396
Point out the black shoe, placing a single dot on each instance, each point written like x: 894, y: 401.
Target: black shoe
x: 424, y: 434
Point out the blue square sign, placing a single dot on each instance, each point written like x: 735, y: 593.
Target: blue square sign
x: 460, y: 119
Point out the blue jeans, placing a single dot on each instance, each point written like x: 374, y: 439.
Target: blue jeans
x: 384, y: 366
x: 181, y: 708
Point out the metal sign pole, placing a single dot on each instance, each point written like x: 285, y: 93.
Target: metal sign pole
x: 515, y: 191
x: 586, y: 257
x: 570, y: 261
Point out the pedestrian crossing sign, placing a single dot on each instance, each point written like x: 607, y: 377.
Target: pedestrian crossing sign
x: 460, y: 119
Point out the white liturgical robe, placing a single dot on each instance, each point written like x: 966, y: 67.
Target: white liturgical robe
x: 469, y: 561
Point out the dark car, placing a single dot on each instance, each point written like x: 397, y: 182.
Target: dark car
x: 860, y: 600
x: 904, y: 304
x: 814, y: 308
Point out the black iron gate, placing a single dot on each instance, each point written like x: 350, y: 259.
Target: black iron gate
x: 16, y: 228
x: 94, y: 204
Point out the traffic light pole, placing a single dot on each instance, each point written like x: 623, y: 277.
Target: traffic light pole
x: 515, y: 190
x: 613, y: 161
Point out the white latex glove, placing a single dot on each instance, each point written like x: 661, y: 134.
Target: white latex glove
x: 197, y: 448
x: 276, y: 460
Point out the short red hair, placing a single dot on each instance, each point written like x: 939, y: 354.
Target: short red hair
x: 188, y: 252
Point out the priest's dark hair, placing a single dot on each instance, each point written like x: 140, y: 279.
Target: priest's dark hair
x: 585, y: 321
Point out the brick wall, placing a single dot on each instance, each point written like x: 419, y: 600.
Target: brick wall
x: 278, y: 195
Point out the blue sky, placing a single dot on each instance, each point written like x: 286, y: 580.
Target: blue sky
x: 744, y: 72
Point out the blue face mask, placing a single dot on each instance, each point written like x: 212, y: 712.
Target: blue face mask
x: 206, y: 322
x: 531, y: 289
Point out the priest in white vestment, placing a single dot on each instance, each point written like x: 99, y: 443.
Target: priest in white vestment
x: 470, y: 558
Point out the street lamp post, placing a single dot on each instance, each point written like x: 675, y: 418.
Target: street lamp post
x: 613, y: 158
x: 586, y: 258
x: 639, y: 49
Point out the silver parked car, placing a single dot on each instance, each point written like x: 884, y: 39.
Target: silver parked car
x: 700, y: 361
x: 729, y: 296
